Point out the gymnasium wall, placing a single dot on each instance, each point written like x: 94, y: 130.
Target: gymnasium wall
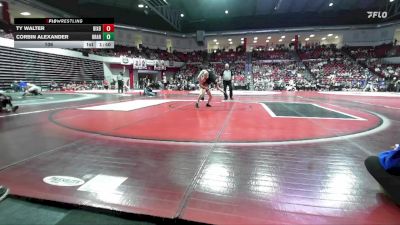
x: 112, y: 70
x: 156, y: 40
x: 369, y: 37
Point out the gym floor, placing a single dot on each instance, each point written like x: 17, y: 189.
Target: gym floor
x: 262, y: 158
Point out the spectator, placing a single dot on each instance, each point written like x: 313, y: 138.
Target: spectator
x: 397, y: 84
x: 53, y: 85
x: 6, y: 101
x: 106, y: 84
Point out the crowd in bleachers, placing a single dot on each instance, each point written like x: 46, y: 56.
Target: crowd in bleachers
x: 272, y: 54
x: 277, y: 69
x: 348, y: 68
x: 279, y: 76
x: 320, y: 52
x: 388, y: 73
x: 333, y: 69
x: 228, y: 56
x: 191, y: 57
x: 386, y: 70
x: 362, y: 53
x: 338, y: 73
x: 238, y: 72
x: 180, y: 82
x: 186, y: 77
x: 149, y: 53
x: 330, y: 68
x: 131, y: 51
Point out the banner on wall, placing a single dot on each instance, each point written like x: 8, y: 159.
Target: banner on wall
x: 139, y: 63
x: 159, y: 65
x: 126, y: 60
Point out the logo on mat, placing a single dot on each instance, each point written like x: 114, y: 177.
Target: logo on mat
x: 63, y: 181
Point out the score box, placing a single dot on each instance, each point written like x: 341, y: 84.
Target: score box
x: 108, y: 36
x: 108, y: 27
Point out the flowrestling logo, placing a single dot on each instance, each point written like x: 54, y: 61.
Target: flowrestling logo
x: 63, y: 181
x: 377, y: 14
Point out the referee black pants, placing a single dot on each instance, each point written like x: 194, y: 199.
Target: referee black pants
x: 121, y: 86
x: 228, y: 83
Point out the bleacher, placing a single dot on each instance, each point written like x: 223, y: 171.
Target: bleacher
x: 190, y: 70
x: 42, y: 68
x: 191, y: 57
x: 276, y: 54
x: 238, y: 72
x: 229, y: 56
x: 320, y: 52
x: 149, y: 53
x: 361, y: 53
x: 322, y: 61
x: 265, y: 74
x: 344, y: 71
x: 384, y: 70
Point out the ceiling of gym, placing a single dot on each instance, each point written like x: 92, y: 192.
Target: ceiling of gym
x: 210, y: 15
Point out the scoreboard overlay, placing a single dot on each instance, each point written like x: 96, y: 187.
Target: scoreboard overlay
x: 64, y: 33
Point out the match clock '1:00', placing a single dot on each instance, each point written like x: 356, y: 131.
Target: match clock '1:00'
x: 105, y: 44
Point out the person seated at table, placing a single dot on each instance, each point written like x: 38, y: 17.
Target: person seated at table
x: 53, y: 85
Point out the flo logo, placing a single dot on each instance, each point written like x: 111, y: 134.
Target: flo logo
x: 377, y: 14
x: 63, y: 181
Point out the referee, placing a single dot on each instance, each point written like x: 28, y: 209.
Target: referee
x: 120, y: 82
x: 227, y: 81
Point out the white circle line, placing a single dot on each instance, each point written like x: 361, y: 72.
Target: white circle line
x: 81, y: 98
x: 384, y: 125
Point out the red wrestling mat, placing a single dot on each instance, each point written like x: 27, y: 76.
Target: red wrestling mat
x: 304, y: 183
x: 148, y: 179
x: 224, y: 122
